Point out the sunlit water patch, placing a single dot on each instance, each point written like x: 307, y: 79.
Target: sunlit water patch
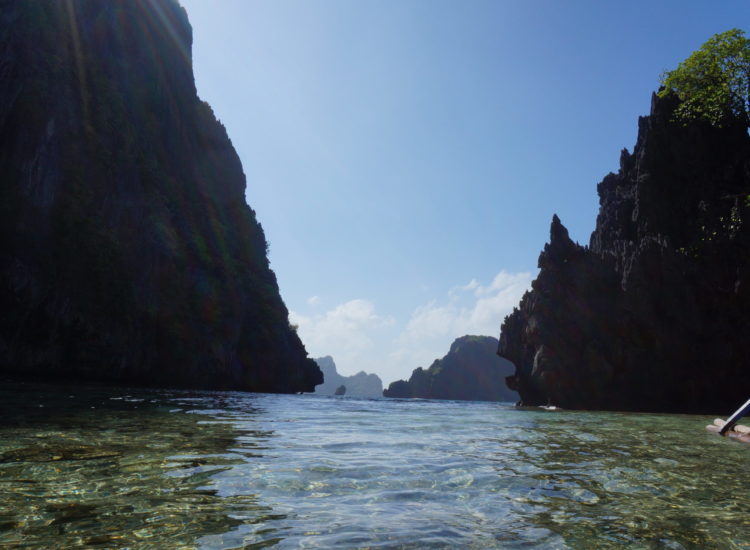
x: 94, y: 468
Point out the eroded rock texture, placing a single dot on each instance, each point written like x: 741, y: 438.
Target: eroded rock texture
x: 654, y: 315
x: 128, y: 253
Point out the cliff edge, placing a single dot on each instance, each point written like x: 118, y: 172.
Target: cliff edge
x: 653, y: 314
x: 127, y: 251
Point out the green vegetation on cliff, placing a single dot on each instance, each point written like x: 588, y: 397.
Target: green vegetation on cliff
x: 713, y: 84
x: 653, y: 314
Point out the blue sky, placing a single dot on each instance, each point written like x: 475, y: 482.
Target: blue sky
x: 405, y: 158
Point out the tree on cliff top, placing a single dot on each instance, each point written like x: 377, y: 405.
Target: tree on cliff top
x: 713, y: 84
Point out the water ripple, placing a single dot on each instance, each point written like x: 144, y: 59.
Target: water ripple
x: 134, y: 469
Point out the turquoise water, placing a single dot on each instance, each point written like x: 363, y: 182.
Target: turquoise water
x: 93, y: 468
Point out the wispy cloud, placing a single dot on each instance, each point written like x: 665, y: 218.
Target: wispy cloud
x: 472, y: 308
x: 359, y: 338
x: 347, y: 332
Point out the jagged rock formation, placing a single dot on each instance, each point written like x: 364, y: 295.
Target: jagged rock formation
x: 358, y: 385
x: 471, y: 371
x: 654, y: 315
x: 127, y: 251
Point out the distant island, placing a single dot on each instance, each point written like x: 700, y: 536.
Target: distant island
x: 471, y: 371
x: 358, y: 385
x: 128, y: 254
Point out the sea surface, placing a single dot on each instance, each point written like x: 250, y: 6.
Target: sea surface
x: 121, y: 468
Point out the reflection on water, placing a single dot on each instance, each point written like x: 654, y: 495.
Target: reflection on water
x: 125, y: 469
x: 604, y: 480
x: 118, y: 469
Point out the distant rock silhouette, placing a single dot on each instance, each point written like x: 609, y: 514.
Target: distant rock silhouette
x: 358, y: 385
x: 471, y: 371
x: 402, y: 388
x: 341, y: 390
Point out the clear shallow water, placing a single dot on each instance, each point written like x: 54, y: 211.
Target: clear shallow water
x: 92, y: 468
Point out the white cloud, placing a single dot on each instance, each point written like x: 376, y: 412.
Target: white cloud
x: 313, y: 300
x: 503, y: 282
x: 471, y: 309
x: 456, y: 291
x: 347, y: 332
x: 468, y: 309
x: 358, y: 338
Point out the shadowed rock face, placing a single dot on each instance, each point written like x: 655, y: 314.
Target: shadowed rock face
x: 358, y: 385
x: 653, y: 314
x: 471, y: 371
x: 127, y: 250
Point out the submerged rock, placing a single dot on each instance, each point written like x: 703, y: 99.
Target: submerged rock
x: 653, y: 314
x: 127, y: 251
x: 47, y: 453
x: 471, y: 371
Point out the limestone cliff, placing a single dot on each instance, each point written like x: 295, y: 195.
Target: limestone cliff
x: 127, y: 251
x: 654, y: 314
x: 357, y: 385
x: 471, y: 371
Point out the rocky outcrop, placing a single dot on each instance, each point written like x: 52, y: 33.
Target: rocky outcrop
x: 127, y: 251
x: 653, y: 314
x: 358, y: 385
x: 471, y: 371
